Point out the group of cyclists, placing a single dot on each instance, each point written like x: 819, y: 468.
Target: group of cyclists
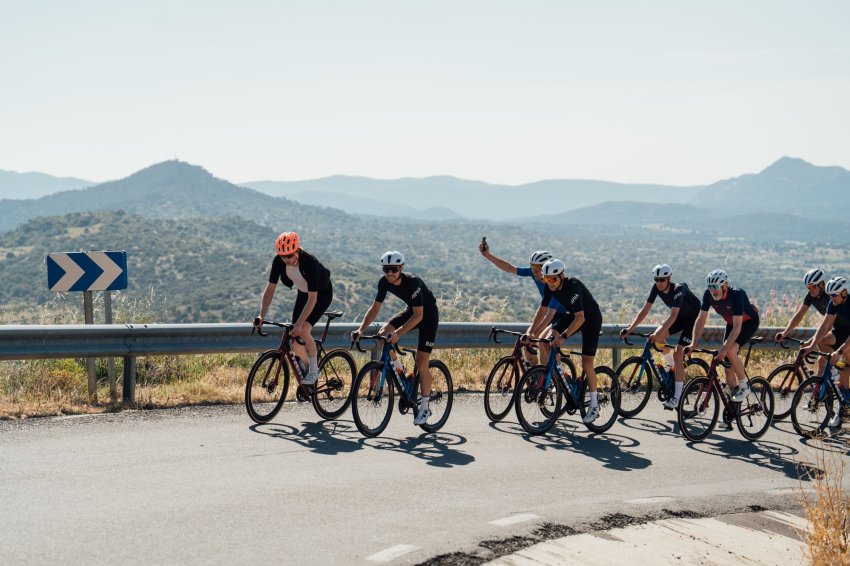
x: 567, y: 307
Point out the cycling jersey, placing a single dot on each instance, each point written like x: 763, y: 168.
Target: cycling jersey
x: 541, y: 287
x: 820, y: 302
x: 736, y: 303
x: 575, y: 296
x: 318, y: 277
x: 677, y: 295
x: 841, y: 312
x: 411, y: 290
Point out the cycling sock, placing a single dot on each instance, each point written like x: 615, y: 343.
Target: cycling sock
x: 314, y: 363
x: 423, y: 402
x: 593, y: 398
x: 677, y: 389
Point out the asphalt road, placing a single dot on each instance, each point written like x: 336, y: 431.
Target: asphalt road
x: 205, y: 485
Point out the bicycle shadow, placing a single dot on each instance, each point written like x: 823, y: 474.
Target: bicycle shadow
x: 774, y: 456
x: 836, y: 441
x: 645, y: 425
x: 326, y: 437
x: 434, y: 448
x: 608, y: 448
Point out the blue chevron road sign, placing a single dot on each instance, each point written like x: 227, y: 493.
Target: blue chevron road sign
x: 87, y: 271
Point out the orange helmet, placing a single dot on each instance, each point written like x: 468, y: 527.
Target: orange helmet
x: 287, y: 243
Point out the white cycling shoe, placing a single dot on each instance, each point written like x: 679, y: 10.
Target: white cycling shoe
x: 422, y: 417
x: 591, y: 415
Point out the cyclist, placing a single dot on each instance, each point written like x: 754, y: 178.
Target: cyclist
x: 534, y: 271
x: 838, y: 320
x: 421, y: 313
x: 684, y: 308
x: 582, y: 315
x: 815, y: 282
x: 742, y: 321
x: 294, y: 266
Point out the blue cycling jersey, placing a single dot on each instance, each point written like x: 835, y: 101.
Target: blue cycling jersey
x: 541, y: 287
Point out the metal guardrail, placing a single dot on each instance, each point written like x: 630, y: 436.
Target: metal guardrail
x: 129, y: 341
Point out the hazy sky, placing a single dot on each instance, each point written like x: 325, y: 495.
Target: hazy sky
x: 637, y: 91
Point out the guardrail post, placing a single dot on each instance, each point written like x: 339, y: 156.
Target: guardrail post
x: 110, y: 362
x: 88, y: 313
x: 129, y: 381
x: 615, y: 358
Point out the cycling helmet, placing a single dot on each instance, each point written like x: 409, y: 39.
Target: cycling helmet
x: 553, y: 267
x: 287, y: 243
x: 392, y: 258
x: 836, y: 285
x: 662, y: 270
x: 717, y: 277
x: 539, y: 257
x: 813, y: 276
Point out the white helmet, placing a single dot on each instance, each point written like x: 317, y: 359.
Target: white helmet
x: 836, y: 285
x: 392, y: 258
x: 553, y: 267
x: 813, y: 276
x: 717, y: 277
x: 662, y: 270
x: 539, y: 257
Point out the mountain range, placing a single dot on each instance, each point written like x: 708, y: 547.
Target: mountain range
x: 34, y: 185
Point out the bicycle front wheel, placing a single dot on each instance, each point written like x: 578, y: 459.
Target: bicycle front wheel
x: 266, y: 388
x: 607, y: 398
x: 755, y: 412
x: 635, y: 379
x: 442, y: 396
x: 372, y: 404
x: 499, y: 389
x: 811, y: 407
x: 332, y: 391
x: 538, y: 406
x: 698, y: 409
x: 784, y: 382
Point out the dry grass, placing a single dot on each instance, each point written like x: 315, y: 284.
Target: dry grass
x: 828, y: 512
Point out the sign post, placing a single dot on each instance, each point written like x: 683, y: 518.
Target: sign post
x: 87, y: 272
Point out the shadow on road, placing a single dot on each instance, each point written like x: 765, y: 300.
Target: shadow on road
x: 646, y: 425
x: 435, y: 449
x: 322, y: 438
x: 767, y: 454
x: 608, y: 448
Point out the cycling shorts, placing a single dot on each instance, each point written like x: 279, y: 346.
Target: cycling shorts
x: 686, y: 327
x: 841, y: 333
x: 323, y: 301
x: 427, y: 327
x: 748, y: 329
x: 589, y: 331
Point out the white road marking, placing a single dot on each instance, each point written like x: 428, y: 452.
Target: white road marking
x: 514, y: 519
x: 392, y: 553
x: 647, y: 500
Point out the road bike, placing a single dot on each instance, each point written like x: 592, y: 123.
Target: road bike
x: 544, y: 393
x: 500, y: 388
x: 268, y: 380
x: 378, y: 381
x: 786, y: 379
x: 814, y: 402
x: 699, y: 407
x: 637, y: 373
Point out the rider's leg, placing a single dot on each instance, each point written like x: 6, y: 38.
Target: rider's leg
x: 679, y: 371
x: 737, y: 371
x: 826, y: 345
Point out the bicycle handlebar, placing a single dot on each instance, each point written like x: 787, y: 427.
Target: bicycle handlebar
x: 655, y: 347
x: 287, y: 325
x: 494, y: 336
x: 356, y: 343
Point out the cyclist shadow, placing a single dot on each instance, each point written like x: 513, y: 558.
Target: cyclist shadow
x: 326, y: 437
x: 434, y: 448
x: 767, y: 454
x: 646, y: 425
x: 608, y: 448
x: 837, y: 442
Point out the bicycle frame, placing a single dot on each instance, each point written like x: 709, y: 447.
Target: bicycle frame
x: 714, y: 383
x: 828, y: 381
x: 666, y: 379
x: 388, y: 369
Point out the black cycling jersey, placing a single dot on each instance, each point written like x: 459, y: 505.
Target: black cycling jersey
x: 736, y: 303
x: 677, y: 295
x: 820, y: 302
x: 841, y: 312
x: 318, y: 277
x: 575, y: 297
x: 412, y: 291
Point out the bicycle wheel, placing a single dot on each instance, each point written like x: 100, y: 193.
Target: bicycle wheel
x: 442, y: 396
x: 811, y: 407
x: 755, y: 412
x: 537, y: 408
x: 266, y: 388
x: 607, y: 397
x: 695, y: 367
x: 499, y: 389
x: 784, y: 381
x: 332, y: 391
x: 698, y: 409
x: 372, y: 404
x: 635, y: 379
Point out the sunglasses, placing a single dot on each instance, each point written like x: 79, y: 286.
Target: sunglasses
x: 660, y: 279
x: 715, y: 287
x: 835, y: 295
x: 391, y: 269
x: 551, y: 279
x: 287, y: 256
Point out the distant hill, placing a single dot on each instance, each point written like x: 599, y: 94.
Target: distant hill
x: 366, y: 206
x: 35, y: 185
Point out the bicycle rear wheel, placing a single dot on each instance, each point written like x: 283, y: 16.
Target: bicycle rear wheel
x: 499, y: 389
x: 698, y: 409
x: 332, y: 391
x: 635, y: 380
x: 811, y: 407
x: 784, y: 381
x: 755, y: 413
x: 442, y: 396
x: 608, y: 399
x: 266, y: 388
x: 537, y: 406
x: 372, y: 404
